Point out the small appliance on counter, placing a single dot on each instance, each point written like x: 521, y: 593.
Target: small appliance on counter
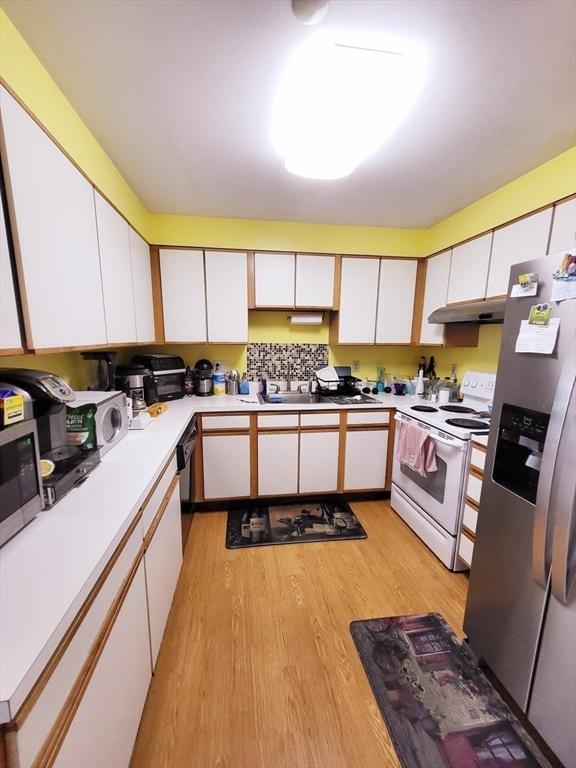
x: 21, y: 496
x: 102, y: 379
x: 203, y: 371
x: 137, y: 382
x: 111, y: 416
x: 168, y: 372
x: 66, y: 465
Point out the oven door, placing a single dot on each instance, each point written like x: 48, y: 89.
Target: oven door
x: 440, y: 493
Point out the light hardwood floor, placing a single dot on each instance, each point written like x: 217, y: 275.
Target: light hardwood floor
x: 258, y: 668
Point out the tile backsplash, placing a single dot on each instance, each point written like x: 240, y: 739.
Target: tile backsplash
x: 273, y: 360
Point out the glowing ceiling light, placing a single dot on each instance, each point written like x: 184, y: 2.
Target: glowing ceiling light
x: 338, y: 102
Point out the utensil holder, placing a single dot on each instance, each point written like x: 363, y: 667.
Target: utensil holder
x: 232, y: 387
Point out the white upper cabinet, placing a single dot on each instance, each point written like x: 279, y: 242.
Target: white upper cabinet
x: 142, y: 287
x: 274, y: 279
x: 183, y: 294
x: 55, y: 237
x: 358, y: 301
x: 315, y: 281
x: 469, y: 270
x: 435, y: 295
x: 10, y: 338
x: 517, y: 242
x: 227, y: 296
x: 563, y: 226
x: 396, y: 301
x: 116, y: 269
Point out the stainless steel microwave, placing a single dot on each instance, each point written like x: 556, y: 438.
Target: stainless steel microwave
x: 21, y: 495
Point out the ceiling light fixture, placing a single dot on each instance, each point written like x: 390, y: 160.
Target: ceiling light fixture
x: 340, y: 99
x: 309, y: 11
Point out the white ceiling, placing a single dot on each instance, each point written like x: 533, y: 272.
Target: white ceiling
x: 179, y: 94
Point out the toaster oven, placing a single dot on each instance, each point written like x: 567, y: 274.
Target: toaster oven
x: 168, y: 372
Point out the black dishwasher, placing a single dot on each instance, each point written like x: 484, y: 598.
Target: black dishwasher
x: 185, y: 465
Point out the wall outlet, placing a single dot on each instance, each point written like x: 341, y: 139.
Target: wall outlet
x: 355, y: 366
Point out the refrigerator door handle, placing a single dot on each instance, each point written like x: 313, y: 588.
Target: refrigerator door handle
x: 543, y: 520
x: 564, y: 503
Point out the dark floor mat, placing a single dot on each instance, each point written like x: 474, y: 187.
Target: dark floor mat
x: 292, y: 524
x: 440, y: 709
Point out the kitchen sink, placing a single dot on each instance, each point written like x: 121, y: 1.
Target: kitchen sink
x: 289, y: 398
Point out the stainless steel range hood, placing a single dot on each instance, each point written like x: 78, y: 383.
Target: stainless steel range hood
x: 490, y: 311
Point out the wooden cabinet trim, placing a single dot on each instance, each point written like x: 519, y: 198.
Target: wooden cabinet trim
x: 149, y: 534
x: 467, y: 532
x: 479, y: 446
x: 477, y: 472
x: 157, y: 294
x: 472, y: 503
x: 418, y: 306
x: 49, y: 750
x: 54, y: 660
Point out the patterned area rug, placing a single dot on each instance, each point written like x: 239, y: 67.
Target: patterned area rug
x: 440, y: 709
x: 291, y: 524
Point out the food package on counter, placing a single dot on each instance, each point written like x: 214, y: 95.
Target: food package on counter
x: 81, y: 426
x: 11, y: 408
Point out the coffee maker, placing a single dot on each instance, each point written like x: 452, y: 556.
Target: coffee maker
x: 49, y: 394
x: 203, y: 378
x: 137, y: 382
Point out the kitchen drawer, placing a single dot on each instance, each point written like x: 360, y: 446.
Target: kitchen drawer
x: 478, y: 458
x: 470, y: 517
x: 52, y: 698
x: 155, y: 499
x: 277, y: 420
x: 474, y: 488
x: 225, y: 422
x: 368, y: 417
x: 465, y: 549
x: 319, y: 419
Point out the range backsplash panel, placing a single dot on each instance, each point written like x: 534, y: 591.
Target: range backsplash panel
x: 273, y: 359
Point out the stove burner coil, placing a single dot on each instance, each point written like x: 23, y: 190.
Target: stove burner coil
x: 456, y: 409
x: 467, y: 423
x: 424, y: 408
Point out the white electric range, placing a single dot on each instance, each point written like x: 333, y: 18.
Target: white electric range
x: 432, y: 506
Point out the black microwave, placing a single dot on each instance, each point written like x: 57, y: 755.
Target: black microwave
x: 168, y: 372
x: 21, y: 496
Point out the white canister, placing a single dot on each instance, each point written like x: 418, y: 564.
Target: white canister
x: 444, y: 395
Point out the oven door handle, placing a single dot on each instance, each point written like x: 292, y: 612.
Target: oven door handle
x: 460, y: 445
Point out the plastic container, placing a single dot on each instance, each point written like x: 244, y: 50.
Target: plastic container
x: 218, y: 383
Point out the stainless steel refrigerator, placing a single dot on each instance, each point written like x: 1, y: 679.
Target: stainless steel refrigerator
x: 521, y: 611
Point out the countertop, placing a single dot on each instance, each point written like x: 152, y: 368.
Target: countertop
x: 49, y: 568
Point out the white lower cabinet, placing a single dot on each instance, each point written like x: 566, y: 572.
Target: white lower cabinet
x: 277, y: 463
x: 163, y: 560
x: 104, y: 727
x: 226, y: 460
x: 365, y: 465
x: 319, y: 461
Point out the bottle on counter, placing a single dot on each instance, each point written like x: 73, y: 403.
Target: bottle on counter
x: 244, y: 384
x: 422, y: 364
x: 263, y: 389
x: 420, y: 383
x: 430, y: 372
x: 188, y: 382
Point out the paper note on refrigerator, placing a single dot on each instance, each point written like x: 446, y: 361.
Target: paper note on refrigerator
x: 539, y: 339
